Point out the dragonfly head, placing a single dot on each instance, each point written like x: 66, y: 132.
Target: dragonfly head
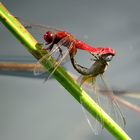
x: 49, y: 37
x: 104, y: 54
x: 106, y: 57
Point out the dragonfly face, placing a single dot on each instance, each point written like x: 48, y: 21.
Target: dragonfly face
x: 48, y: 37
x: 107, y: 58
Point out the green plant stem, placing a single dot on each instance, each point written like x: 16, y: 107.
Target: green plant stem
x: 60, y: 74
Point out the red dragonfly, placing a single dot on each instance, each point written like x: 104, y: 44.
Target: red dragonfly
x: 88, y: 80
x: 56, y: 40
x: 66, y: 44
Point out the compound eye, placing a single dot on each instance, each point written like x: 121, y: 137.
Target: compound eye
x: 108, y: 58
x: 48, y: 37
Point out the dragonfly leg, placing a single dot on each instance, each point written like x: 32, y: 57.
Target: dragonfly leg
x: 50, y: 47
x: 61, y: 51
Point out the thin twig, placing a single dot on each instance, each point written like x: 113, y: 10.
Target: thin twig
x: 60, y: 74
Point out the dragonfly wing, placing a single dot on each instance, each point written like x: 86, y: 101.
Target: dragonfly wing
x: 48, y: 56
x: 61, y: 44
x: 55, y: 53
x: 105, y: 100
x: 37, y: 71
x: 114, y: 109
x: 94, y: 124
x: 39, y: 28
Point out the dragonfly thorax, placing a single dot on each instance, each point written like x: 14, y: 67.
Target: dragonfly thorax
x: 100, y: 64
x: 54, y: 38
x: 99, y: 67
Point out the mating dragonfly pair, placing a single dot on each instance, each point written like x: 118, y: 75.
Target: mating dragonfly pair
x: 61, y: 44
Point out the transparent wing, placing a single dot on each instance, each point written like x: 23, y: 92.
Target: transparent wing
x: 118, y: 95
x: 106, y: 100
x: 37, y: 71
x: 65, y: 45
x: 115, y: 111
x: 57, y: 64
x: 38, y: 30
x: 94, y: 124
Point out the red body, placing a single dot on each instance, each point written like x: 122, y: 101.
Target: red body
x: 50, y: 37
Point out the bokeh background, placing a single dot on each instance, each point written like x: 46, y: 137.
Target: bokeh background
x: 32, y: 110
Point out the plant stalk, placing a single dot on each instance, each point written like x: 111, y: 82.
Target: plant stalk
x: 14, y: 26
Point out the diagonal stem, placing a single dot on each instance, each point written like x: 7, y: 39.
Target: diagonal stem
x: 60, y: 74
